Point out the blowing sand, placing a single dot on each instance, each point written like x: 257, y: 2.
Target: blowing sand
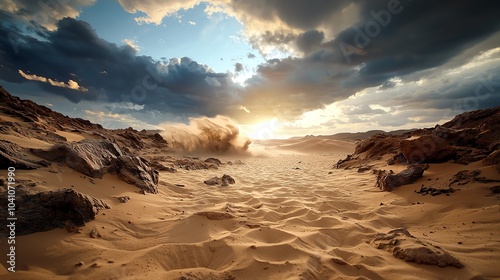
x: 289, y: 216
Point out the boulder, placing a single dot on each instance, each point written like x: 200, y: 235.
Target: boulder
x: 136, y: 171
x: 388, y: 181
x: 42, y: 211
x: 90, y: 156
x: 225, y: 181
x: 426, y: 148
x: 13, y: 155
x: 213, y: 161
x: 404, y: 246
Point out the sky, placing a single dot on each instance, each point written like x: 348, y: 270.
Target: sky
x: 278, y: 68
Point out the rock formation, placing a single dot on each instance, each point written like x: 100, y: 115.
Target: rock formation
x: 136, y: 171
x: 387, y: 181
x: 42, y: 211
x: 225, y: 181
x: 404, y: 246
x: 13, y: 155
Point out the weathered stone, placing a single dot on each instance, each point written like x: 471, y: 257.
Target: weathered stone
x: 388, y: 182
x: 90, y: 156
x: 404, y: 246
x: 426, y: 148
x: 136, y: 171
x: 213, y: 161
x: 13, y: 155
x: 42, y: 211
x: 225, y: 181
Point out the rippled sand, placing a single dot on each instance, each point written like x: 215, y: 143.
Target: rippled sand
x: 285, y: 218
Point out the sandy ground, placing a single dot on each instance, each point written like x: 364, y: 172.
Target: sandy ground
x: 290, y: 215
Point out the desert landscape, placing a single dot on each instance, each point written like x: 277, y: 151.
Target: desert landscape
x: 249, y: 140
x: 93, y: 203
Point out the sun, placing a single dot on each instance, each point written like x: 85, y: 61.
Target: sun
x: 264, y: 130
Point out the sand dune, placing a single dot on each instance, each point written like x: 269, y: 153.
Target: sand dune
x: 285, y: 218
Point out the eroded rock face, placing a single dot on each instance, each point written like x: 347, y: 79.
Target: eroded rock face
x: 426, y: 148
x: 404, y: 246
x: 136, y: 171
x: 95, y: 158
x: 90, y: 156
x: 13, y: 155
x: 469, y: 137
x: 387, y: 181
x: 42, y: 211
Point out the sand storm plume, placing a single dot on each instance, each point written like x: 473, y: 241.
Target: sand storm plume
x: 213, y: 135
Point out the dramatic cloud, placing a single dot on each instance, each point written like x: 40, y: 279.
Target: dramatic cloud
x: 71, y: 84
x: 44, y: 13
x: 113, y: 73
x: 310, y: 40
x: 377, y: 62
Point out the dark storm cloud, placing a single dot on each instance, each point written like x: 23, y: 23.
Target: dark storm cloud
x: 111, y: 73
x: 400, y: 37
x: 303, y: 14
x: 310, y: 40
x: 391, y: 39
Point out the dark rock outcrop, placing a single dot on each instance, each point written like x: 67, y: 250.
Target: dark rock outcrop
x: 426, y: 148
x: 90, y: 156
x: 225, y: 181
x: 13, y: 155
x: 95, y: 158
x: 136, y: 171
x: 194, y: 164
x: 387, y: 181
x: 42, y: 211
x: 404, y: 246
x: 469, y: 137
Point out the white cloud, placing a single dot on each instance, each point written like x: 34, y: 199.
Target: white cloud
x: 71, y: 84
x: 132, y: 43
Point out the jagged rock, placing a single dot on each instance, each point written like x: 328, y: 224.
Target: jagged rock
x: 388, y: 182
x: 404, y: 246
x: 433, y: 191
x: 160, y: 167
x: 212, y: 181
x: 467, y: 176
x: 493, y: 159
x: 135, y: 170
x: 13, y: 155
x: 426, y: 148
x: 194, y: 164
x: 42, y: 211
x: 133, y: 137
x: 158, y: 139
x: 213, y: 161
x: 224, y: 181
x: 90, y: 156
x: 227, y: 180
x: 123, y: 199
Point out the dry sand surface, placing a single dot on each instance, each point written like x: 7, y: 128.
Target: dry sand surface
x: 290, y: 215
